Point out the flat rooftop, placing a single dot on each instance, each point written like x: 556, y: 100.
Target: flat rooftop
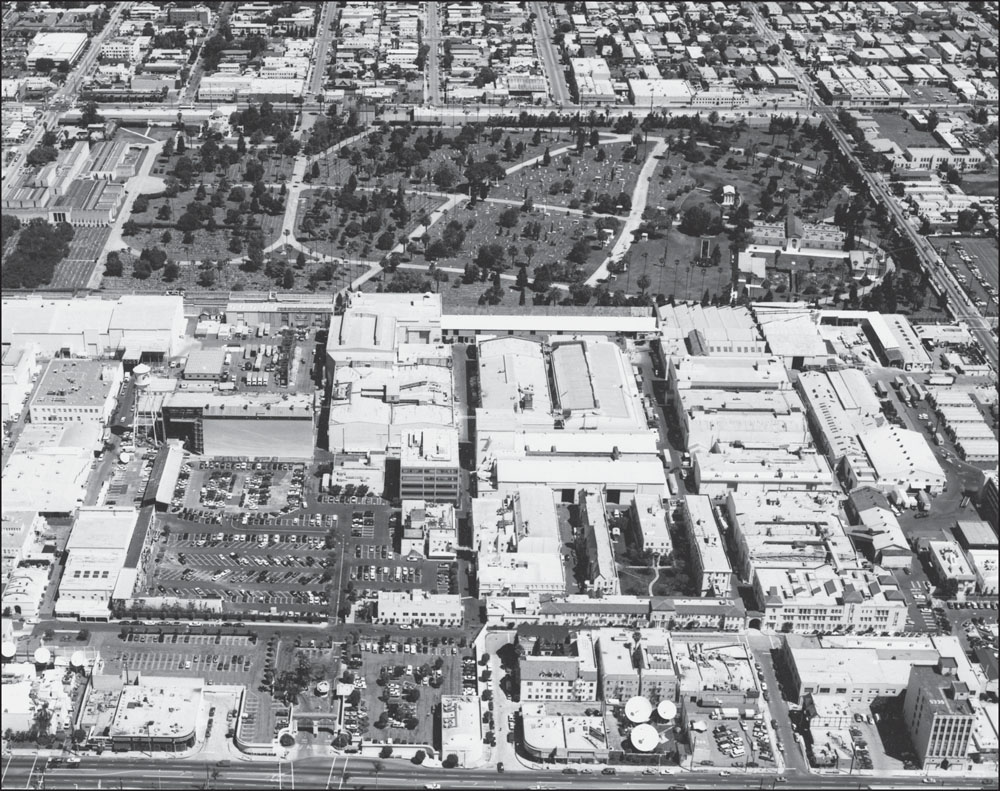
x: 75, y: 383
x: 157, y: 708
x: 512, y: 375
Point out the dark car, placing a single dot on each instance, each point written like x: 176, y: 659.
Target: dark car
x: 610, y: 770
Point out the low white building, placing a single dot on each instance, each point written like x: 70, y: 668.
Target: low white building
x: 710, y: 564
x: 951, y: 566
x: 419, y: 608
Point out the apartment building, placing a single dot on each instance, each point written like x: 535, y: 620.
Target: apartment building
x: 571, y: 677
x: 710, y: 569
x: 939, y: 715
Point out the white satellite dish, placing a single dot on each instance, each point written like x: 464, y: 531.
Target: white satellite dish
x: 638, y: 709
x: 666, y: 710
x: 644, y: 738
x: 42, y: 655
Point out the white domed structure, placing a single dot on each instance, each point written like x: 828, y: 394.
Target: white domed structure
x: 666, y: 710
x: 42, y: 655
x: 323, y: 687
x: 8, y: 650
x: 638, y: 709
x: 644, y: 738
x: 79, y: 659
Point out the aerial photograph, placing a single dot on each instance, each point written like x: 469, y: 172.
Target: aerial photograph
x: 499, y: 395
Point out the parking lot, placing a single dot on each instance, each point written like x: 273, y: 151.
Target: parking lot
x: 403, y: 676
x: 243, y: 486
x: 973, y: 262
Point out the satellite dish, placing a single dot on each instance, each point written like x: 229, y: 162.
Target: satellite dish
x: 644, y: 738
x: 323, y: 687
x: 8, y: 650
x: 42, y: 655
x: 79, y: 659
x: 666, y: 710
x: 638, y: 709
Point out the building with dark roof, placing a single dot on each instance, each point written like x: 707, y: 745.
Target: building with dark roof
x: 939, y: 715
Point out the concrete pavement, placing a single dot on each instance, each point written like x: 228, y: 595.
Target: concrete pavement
x: 634, y: 220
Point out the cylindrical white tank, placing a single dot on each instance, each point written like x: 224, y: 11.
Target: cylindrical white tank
x: 140, y: 375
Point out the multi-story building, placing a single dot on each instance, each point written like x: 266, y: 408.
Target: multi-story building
x: 76, y: 391
x: 939, y: 715
x: 569, y: 678
x: 249, y: 425
x: 650, y: 522
x: 428, y: 530
x: 711, y: 572
x: 419, y: 608
x: 602, y: 572
x: 951, y: 567
x: 824, y: 599
x: 62, y: 49
x: 795, y: 236
x: 429, y: 466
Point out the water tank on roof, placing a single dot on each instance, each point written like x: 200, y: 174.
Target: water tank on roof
x: 140, y: 375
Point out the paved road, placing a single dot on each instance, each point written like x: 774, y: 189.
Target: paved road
x: 432, y: 38
x: 549, y: 55
x: 323, y: 37
x: 355, y: 772
x: 634, y: 220
x: 66, y: 93
x: 959, y: 304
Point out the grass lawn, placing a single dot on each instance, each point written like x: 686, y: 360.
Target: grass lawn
x: 903, y: 132
x: 980, y: 184
x: 276, y: 168
x: 669, y: 264
x: 635, y: 580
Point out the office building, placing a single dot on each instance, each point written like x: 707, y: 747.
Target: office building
x: 650, y: 522
x: 158, y: 714
x: 76, y: 391
x: 428, y: 530
x: 602, y: 571
x: 939, y: 716
x: 62, y: 49
x: 461, y: 728
x: 429, y: 466
x: 951, y: 567
x: 564, y: 737
x: 710, y: 572
x: 570, y: 677
x: 419, y: 608
x: 734, y: 469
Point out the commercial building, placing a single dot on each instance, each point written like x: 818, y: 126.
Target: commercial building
x: 896, y: 343
x: 563, y: 737
x: 461, y: 728
x: 517, y: 539
x: 63, y: 49
x: 650, y: 523
x: 51, y: 480
x: 635, y: 663
x: 20, y: 530
x: 860, y: 671
x: 710, y: 572
x: 466, y: 324
x: 660, y: 94
x: 152, y: 326
x: 876, y: 531
x: 951, y: 567
x: 373, y: 327
x: 763, y: 419
x: 714, y: 671
x: 984, y: 565
x: 757, y: 471
x: 786, y: 530
x: 19, y: 366
x: 592, y: 78
x: 205, y: 365
x: 939, y: 716
x: 159, y: 714
x: 419, y: 608
x: 825, y: 598
x: 727, y: 373
x: 76, y: 391
x: 428, y: 530
x: 97, y: 551
x: 248, y: 425
x: 602, y: 571
x: 429, y: 465
x: 569, y: 677
x: 24, y: 593
x: 708, y: 330
x: 589, y: 430
x: 901, y: 459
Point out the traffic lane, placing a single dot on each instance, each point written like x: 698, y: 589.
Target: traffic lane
x: 779, y: 711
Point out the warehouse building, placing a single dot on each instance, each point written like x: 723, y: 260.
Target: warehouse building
x: 902, y: 458
x: 205, y: 365
x: 63, y: 49
x: 247, y: 425
x: 135, y: 326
